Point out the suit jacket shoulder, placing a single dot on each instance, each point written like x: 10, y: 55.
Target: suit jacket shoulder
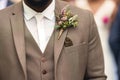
x: 7, y: 12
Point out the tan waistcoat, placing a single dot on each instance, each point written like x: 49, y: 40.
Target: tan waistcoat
x: 39, y: 66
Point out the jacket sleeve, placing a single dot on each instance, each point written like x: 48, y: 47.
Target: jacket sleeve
x: 95, y: 66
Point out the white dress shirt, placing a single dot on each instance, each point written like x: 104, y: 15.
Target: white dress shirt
x: 41, y: 25
x: 3, y: 4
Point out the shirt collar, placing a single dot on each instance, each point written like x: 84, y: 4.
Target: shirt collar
x: 48, y: 12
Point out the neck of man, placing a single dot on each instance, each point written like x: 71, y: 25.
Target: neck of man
x: 38, y: 8
x: 95, y: 4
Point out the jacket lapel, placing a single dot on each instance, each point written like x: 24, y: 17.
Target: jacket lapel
x: 58, y: 45
x: 18, y: 34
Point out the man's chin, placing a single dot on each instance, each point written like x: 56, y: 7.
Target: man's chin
x: 38, y: 3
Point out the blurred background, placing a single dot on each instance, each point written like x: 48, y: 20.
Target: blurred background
x: 107, y: 17
x: 6, y: 3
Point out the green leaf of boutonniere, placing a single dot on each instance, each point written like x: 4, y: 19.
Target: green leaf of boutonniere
x: 66, y: 20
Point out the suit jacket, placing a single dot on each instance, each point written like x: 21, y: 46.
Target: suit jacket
x: 114, y: 38
x: 79, y: 61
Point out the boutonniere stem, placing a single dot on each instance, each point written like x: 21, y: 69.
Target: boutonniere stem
x: 60, y: 33
x: 65, y: 20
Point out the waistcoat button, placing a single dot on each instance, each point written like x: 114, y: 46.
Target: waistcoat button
x: 43, y: 59
x: 44, y: 71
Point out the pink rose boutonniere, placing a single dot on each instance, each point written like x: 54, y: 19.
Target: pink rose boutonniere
x: 65, y: 20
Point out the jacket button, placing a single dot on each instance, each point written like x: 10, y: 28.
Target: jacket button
x: 44, y: 72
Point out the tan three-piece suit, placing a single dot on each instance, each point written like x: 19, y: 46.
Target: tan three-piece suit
x: 77, y: 55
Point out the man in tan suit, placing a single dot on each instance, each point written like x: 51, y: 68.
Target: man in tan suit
x: 76, y: 55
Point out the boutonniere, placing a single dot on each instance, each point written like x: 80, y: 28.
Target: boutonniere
x: 65, y: 20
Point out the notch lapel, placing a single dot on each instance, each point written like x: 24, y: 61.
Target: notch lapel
x: 17, y: 22
x: 58, y: 45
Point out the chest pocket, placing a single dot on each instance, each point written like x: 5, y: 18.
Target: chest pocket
x: 79, y: 48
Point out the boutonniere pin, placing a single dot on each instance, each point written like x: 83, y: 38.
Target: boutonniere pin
x: 65, y: 20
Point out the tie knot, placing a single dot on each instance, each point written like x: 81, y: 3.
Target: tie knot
x: 39, y: 17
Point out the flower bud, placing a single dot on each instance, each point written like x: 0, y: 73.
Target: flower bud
x: 64, y: 18
x: 60, y: 22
